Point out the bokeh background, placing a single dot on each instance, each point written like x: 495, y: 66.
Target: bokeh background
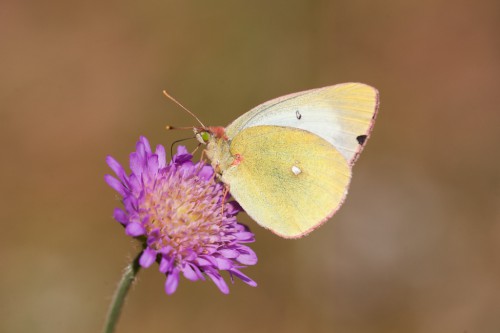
x: 416, y: 247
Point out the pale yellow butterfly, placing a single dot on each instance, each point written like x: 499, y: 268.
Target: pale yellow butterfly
x: 288, y: 161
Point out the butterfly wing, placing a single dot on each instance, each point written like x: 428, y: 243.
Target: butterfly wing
x: 288, y: 180
x: 342, y: 114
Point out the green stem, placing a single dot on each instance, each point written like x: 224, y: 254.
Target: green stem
x: 120, y: 293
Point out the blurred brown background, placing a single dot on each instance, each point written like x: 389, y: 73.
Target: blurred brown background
x: 416, y: 247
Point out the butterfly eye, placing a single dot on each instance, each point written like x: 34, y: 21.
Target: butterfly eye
x: 205, y: 136
x: 202, y: 137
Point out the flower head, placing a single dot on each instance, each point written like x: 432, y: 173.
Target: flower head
x: 181, y: 215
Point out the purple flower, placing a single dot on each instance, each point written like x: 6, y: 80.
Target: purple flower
x: 182, y: 216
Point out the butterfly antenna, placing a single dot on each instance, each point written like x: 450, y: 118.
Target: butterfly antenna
x: 183, y: 107
x: 169, y: 127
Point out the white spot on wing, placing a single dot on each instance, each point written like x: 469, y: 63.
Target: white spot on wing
x: 296, y: 170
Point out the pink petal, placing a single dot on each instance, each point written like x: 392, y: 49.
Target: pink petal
x: 206, y: 172
x: 244, y: 236
x: 219, y: 282
x: 162, y: 157
x: 153, y: 165
x: 229, y: 253
x: 116, y: 167
x: 135, y: 229
x: 120, y: 216
x: 172, y: 282
x: 116, y: 185
x: 181, y: 150
x: 147, y: 258
x: 145, y: 142
x: 247, y: 259
x: 243, y: 277
x: 223, y: 264
x: 164, y: 265
x: 189, y: 273
x: 202, y: 262
x: 136, y: 164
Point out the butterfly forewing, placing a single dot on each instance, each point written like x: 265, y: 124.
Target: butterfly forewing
x: 342, y: 114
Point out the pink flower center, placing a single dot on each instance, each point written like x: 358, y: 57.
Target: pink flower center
x: 184, y: 212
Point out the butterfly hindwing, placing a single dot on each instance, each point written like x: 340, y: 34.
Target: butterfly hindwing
x: 287, y: 179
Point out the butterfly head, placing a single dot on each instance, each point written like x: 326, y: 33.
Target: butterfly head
x: 204, y: 134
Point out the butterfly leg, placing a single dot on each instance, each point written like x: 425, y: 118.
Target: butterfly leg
x: 196, y: 149
x: 203, y: 154
x: 226, y: 191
